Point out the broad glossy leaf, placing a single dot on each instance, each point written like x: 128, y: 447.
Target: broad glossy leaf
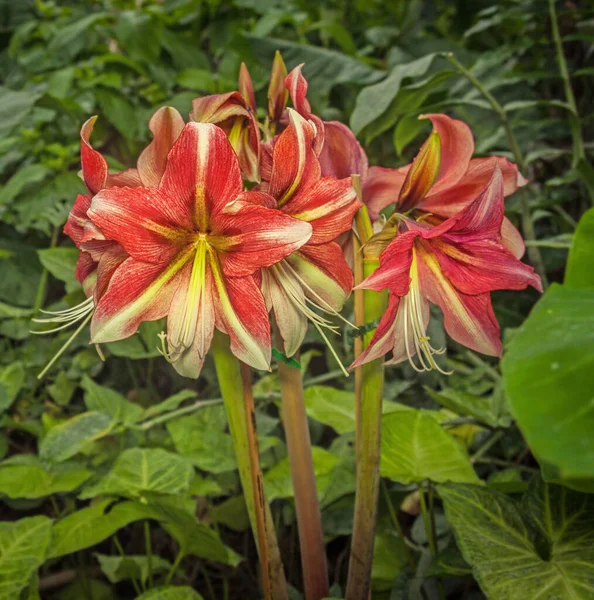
x: 415, y: 448
x: 141, y: 471
x: 61, y: 263
x: 171, y: 592
x: 390, y: 555
x: 120, y: 568
x: 120, y: 113
x: 109, y: 402
x: 541, y: 548
x: 170, y: 403
x: 36, y: 481
x: 23, y: 177
x: 278, y: 481
x: 12, y: 379
x: 23, y: 546
x: 332, y: 407
x: 14, y: 106
x: 67, y: 439
x: 579, y: 272
x: 374, y: 100
x: 549, y: 377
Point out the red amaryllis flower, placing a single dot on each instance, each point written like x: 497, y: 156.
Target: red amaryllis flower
x: 196, y: 244
x: 454, y: 264
x: 98, y: 257
x: 316, y: 276
x: 443, y: 178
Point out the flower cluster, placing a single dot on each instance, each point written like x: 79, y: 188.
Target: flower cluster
x: 227, y: 218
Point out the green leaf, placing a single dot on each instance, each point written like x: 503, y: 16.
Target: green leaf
x: 332, y: 407
x: 109, y: 402
x: 292, y: 362
x: 541, y: 548
x: 171, y: 592
x: 579, y: 273
x: 118, y: 111
x: 390, y: 555
x: 549, y: 380
x: 12, y: 379
x: 23, y: 177
x: 140, y: 346
x: 323, y: 68
x: 486, y: 409
x: 35, y: 481
x: 69, y: 438
x: 23, y: 546
x: 14, y: 107
x: 140, y: 471
x: 415, y: 448
x: 61, y: 263
x: 120, y: 568
x: 278, y: 481
x: 170, y: 403
x: 374, y: 100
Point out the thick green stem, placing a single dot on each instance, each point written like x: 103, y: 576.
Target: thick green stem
x: 231, y: 385
x: 307, y: 506
x: 527, y: 224
x: 368, y: 454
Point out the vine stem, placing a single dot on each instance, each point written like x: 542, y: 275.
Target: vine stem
x: 257, y: 478
x: 231, y: 385
x: 307, y: 506
x: 369, y: 428
x: 527, y: 224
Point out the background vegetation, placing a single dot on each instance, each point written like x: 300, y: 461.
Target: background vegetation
x: 119, y: 476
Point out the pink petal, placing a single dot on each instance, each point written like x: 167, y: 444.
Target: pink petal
x: 468, y: 319
x: 383, y: 339
x: 329, y: 206
x: 143, y: 220
x: 342, y: 155
x: 94, y: 166
x: 241, y: 313
x: 253, y: 236
x: 382, y: 188
x: 166, y: 125
x: 512, y: 239
x: 202, y: 174
x: 138, y: 291
x: 294, y: 162
x: 457, y: 148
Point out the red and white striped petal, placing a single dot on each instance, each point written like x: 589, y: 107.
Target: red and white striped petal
x: 383, y: 339
x: 166, y: 125
x: 457, y: 148
x: 342, y: 155
x: 86, y: 273
x: 241, y: 313
x: 468, y: 319
x: 329, y: 206
x: 512, y: 239
x: 94, y: 166
x: 246, y: 87
x: 191, y: 322
x: 142, y: 220
x: 202, y: 174
x: 78, y: 218
x: 112, y: 256
x: 250, y: 236
x: 138, y: 291
x: 290, y: 320
x: 126, y: 178
x: 294, y: 162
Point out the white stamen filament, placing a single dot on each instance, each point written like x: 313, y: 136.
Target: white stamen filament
x: 69, y: 316
x: 412, y: 308
x: 291, y: 283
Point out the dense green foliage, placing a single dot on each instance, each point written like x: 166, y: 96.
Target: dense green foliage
x: 99, y: 457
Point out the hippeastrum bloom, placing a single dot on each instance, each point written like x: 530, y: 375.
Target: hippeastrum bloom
x: 98, y: 257
x: 235, y: 115
x: 454, y: 264
x: 196, y: 244
x: 316, y: 275
x: 443, y: 178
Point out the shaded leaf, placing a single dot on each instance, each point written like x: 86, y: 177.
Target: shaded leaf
x: 171, y: 592
x: 109, y: 402
x: 120, y: 568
